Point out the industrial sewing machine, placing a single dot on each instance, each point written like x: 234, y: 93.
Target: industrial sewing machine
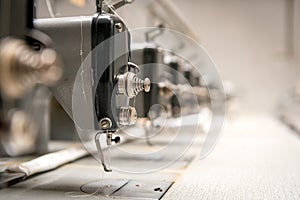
x: 91, y: 66
x: 111, y: 72
x: 98, y: 46
x: 147, y: 104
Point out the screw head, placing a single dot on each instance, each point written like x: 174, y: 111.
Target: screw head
x: 119, y: 26
x: 105, y: 123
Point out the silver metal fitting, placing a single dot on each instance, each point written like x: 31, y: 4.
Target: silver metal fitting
x: 119, y: 27
x: 105, y: 123
x: 110, y: 139
x: 130, y: 85
x: 127, y: 115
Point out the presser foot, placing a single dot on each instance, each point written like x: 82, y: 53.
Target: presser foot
x: 109, y: 140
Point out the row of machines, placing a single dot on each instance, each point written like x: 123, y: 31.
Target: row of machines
x: 105, y: 81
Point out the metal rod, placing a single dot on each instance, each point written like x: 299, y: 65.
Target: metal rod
x: 99, y: 6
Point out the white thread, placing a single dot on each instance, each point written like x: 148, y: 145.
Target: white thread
x: 81, y: 59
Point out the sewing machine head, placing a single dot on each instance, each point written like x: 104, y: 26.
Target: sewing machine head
x: 100, y: 83
x: 96, y: 54
x: 94, y: 48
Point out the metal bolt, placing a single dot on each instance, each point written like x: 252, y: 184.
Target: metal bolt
x: 105, y: 123
x: 119, y: 26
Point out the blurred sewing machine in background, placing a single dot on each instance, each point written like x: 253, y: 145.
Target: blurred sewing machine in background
x: 26, y: 69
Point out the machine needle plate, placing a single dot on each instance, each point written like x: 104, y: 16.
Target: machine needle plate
x: 140, y: 189
x: 103, y: 187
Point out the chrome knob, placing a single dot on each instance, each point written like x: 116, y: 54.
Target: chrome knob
x: 127, y: 115
x: 130, y: 85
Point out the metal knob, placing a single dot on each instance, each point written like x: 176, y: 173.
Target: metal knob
x: 130, y: 85
x: 127, y: 115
